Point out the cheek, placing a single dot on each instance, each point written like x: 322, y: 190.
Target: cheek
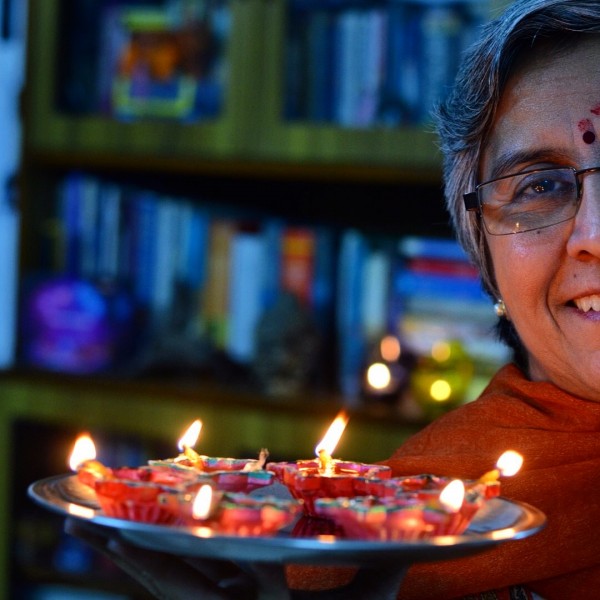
x: 520, y: 266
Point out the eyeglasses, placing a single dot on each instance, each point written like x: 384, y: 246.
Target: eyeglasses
x: 528, y: 201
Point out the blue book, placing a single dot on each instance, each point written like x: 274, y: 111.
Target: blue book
x: 350, y: 336
x: 144, y: 248
x: 431, y: 247
x: 245, y: 294
x: 70, y: 207
x: 323, y: 291
x: 319, y: 51
x: 195, y: 252
x: 272, y: 231
x: 409, y: 284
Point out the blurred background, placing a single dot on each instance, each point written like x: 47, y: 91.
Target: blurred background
x: 229, y: 210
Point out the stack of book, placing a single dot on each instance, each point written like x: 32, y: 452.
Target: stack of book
x: 439, y: 296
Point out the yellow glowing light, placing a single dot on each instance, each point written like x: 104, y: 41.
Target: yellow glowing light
x: 509, y: 463
x: 80, y: 511
x: 379, y: 376
x: 190, y: 437
x: 390, y: 348
x: 333, y: 435
x: 202, y: 502
x: 441, y: 351
x: 83, y: 449
x: 452, y: 496
x: 440, y: 390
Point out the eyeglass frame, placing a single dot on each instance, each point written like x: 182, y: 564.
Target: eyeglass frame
x: 473, y: 202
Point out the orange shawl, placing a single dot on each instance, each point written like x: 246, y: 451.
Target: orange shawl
x: 559, y: 438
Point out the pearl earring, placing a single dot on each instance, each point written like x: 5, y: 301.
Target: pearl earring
x: 500, y: 308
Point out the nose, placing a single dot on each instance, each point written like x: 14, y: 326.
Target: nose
x: 584, y: 238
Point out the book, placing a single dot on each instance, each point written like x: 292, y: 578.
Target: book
x: 109, y: 231
x: 319, y: 52
x: 439, y: 33
x: 215, y: 295
x: 144, y: 215
x: 376, y: 288
x: 272, y: 231
x: 245, y: 293
x: 322, y: 299
x: 413, y: 246
x: 69, y: 240
x: 409, y: 283
x: 166, y: 257
x: 298, y: 262
x: 351, y: 343
x: 193, y: 265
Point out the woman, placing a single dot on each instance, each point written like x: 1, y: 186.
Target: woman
x: 522, y: 171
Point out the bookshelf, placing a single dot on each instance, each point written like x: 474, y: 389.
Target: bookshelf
x: 247, y: 157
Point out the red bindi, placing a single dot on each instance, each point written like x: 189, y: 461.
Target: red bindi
x: 587, y: 128
x: 589, y: 137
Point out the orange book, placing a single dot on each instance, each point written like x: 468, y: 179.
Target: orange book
x: 298, y: 262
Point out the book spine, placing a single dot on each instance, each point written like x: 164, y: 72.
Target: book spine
x: 89, y: 227
x: 297, y: 262
x: 196, y: 253
x: 166, y: 244
x: 215, y: 299
x: 273, y: 235
x: 143, y: 252
x: 376, y: 294
x: 351, y: 345
x: 247, y: 261
x: 109, y: 229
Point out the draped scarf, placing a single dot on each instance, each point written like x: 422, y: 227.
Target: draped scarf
x: 559, y: 437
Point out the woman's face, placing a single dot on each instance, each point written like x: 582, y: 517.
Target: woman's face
x: 549, y: 116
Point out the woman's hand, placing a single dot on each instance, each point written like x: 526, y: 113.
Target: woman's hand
x: 169, y: 577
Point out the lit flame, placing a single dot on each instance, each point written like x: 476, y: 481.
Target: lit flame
x: 452, y: 496
x: 83, y: 449
x: 190, y: 437
x: 509, y: 463
x: 333, y: 435
x: 202, y: 502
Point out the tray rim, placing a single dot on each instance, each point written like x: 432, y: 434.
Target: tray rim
x: 283, y: 548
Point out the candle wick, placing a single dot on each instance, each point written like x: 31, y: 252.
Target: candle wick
x: 326, y: 464
x: 490, y: 477
x: 191, y: 454
x: 263, y: 455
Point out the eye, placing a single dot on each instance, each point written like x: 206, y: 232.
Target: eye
x: 547, y: 185
x: 556, y: 185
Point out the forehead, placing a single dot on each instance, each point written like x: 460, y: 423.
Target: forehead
x: 548, y: 104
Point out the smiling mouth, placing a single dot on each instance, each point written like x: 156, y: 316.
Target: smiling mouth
x: 587, y: 303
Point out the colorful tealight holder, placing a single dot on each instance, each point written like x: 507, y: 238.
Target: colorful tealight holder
x: 132, y: 492
x: 422, y: 486
x: 208, y: 464
x: 227, y: 474
x: 234, y: 513
x: 134, y: 501
x: 307, y: 480
x: 400, y: 518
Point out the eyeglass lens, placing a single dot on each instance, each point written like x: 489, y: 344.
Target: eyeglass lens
x: 528, y: 201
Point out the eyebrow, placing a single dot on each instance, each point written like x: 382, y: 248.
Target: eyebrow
x: 508, y: 162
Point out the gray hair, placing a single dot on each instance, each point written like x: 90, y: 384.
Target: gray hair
x: 464, y: 119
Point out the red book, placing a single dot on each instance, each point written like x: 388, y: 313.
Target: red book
x: 439, y: 266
